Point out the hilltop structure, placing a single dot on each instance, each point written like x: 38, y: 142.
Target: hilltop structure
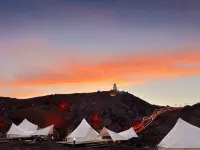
x: 115, y: 87
x: 113, y: 92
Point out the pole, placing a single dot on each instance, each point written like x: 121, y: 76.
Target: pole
x: 114, y: 144
x: 50, y: 144
x: 74, y: 142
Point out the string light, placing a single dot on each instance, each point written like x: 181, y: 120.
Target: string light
x: 148, y: 120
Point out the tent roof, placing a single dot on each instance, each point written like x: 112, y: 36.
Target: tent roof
x: 128, y: 134
x: 182, y: 135
x: 82, y: 130
x: 92, y: 136
x: 15, y: 130
x: 27, y: 125
x: 115, y: 136
x: 45, y: 131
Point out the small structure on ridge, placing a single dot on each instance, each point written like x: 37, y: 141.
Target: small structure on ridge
x: 113, y: 92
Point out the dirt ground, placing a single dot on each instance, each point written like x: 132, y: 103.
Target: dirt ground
x: 15, y: 145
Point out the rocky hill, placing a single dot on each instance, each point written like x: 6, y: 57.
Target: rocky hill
x: 99, y: 109
x: 115, y: 112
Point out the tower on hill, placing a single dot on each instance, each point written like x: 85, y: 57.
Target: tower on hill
x: 113, y: 92
x: 115, y: 87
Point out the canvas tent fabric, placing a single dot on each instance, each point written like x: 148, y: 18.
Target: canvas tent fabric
x: 128, y: 134
x: 45, y: 131
x: 28, y: 129
x: 28, y: 126
x: 114, y: 136
x: 182, y: 136
x: 15, y: 131
x: 84, y: 132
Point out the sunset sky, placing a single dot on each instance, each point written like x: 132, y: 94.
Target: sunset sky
x: 150, y: 48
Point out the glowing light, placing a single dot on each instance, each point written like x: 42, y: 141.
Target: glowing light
x: 54, y: 118
x: 95, y: 121
x: 74, y: 139
x: 148, y: 120
x: 65, y: 106
x: 113, y: 93
x: 94, y: 118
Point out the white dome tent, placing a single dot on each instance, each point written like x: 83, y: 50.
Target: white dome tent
x: 84, y: 133
x: 114, y: 136
x: 44, y: 131
x: 128, y: 134
x: 27, y: 125
x: 28, y: 129
x: 183, y: 136
x: 122, y: 136
x: 15, y: 132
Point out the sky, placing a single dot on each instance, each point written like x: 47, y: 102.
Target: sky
x: 149, y: 48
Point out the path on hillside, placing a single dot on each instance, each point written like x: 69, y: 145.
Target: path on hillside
x: 149, y: 119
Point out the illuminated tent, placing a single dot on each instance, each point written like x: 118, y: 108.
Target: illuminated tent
x: 114, y: 136
x: 27, y: 125
x: 84, y: 133
x: 183, y: 136
x: 128, y: 134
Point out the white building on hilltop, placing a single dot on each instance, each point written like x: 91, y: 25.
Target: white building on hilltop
x: 114, y: 91
x: 115, y: 87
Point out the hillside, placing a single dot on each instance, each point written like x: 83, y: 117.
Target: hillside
x: 99, y: 108
x: 115, y: 112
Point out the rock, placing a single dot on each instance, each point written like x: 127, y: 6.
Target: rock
x: 106, y: 111
x: 162, y: 129
x: 130, y: 113
x: 107, y: 122
x: 195, y: 120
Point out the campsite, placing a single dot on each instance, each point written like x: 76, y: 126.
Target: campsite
x: 83, y: 136
x: 100, y: 74
x: 89, y: 132
x: 27, y: 135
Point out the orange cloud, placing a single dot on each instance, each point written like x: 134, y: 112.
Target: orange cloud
x: 135, y: 69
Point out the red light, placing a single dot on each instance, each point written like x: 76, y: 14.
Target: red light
x: 54, y: 118
x: 65, y: 106
x: 95, y: 121
x: 138, y: 127
x: 136, y: 122
x: 95, y: 118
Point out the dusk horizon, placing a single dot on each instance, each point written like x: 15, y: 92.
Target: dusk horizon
x: 150, y: 49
